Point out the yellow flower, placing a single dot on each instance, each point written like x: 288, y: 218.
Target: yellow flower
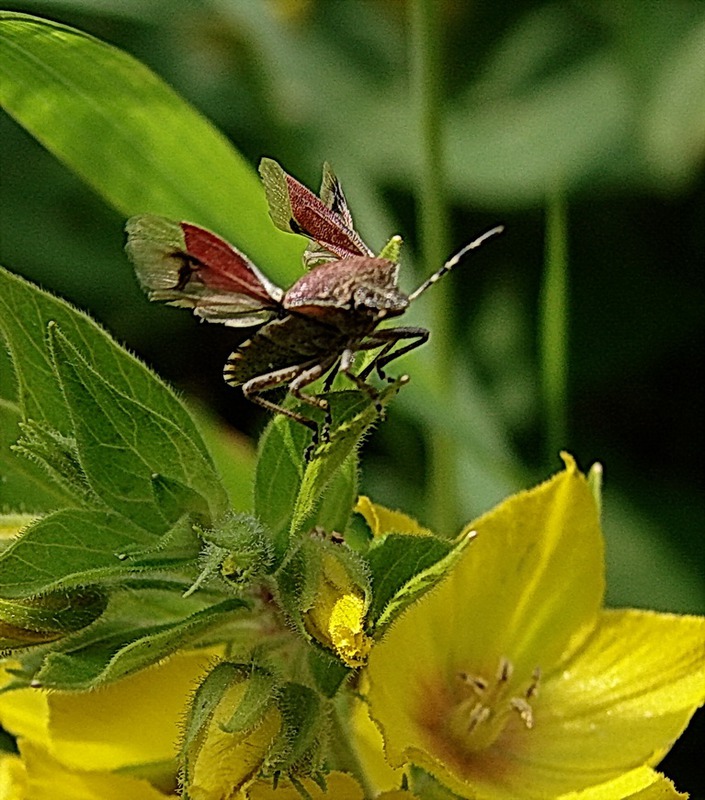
x: 510, y: 681
x: 337, y: 617
x: 38, y: 776
x: 219, y: 763
x: 117, y: 741
x: 383, y: 520
x: 639, y: 784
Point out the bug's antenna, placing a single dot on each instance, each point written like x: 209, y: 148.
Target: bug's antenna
x: 453, y: 261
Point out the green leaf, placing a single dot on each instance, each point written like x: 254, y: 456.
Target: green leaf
x: 333, y: 513
x: 70, y: 548
x: 132, y: 138
x: 27, y: 311
x: 353, y: 414
x: 108, y: 400
x: 328, y: 672
x: 135, y: 458
x: 137, y: 630
x: 232, y: 452
x: 278, y: 476
x: 405, y: 567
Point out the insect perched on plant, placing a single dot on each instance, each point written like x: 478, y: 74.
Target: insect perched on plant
x: 316, y: 326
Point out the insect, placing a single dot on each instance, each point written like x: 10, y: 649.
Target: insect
x: 311, y: 330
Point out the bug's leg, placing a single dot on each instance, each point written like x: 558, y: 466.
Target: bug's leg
x: 253, y: 388
x: 346, y: 363
x: 306, y: 377
x: 328, y: 385
x: 387, y: 339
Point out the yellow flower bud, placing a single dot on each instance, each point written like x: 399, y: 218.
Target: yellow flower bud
x: 337, y: 617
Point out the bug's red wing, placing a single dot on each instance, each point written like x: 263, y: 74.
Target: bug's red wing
x: 185, y: 265
x: 326, y: 220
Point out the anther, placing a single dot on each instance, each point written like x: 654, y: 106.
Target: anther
x: 477, y: 716
x: 478, y: 683
x: 505, y: 670
x: 524, y: 709
x: 533, y: 688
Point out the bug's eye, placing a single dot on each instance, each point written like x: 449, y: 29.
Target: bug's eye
x: 364, y: 300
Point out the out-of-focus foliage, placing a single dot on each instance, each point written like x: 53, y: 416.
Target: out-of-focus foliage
x: 604, y: 101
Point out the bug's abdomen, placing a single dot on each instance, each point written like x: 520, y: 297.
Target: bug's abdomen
x: 279, y: 344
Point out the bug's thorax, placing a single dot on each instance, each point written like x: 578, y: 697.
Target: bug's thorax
x: 354, y: 292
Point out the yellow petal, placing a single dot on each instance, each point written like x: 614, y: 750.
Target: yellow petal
x: 346, y: 630
x: 48, y: 779
x: 24, y: 712
x: 639, y: 784
x: 369, y: 748
x: 340, y: 786
x: 662, y: 790
x: 383, y: 520
x: 130, y: 722
x: 13, y: 778
x: 618, y: 703
x: 337, y: 617
x: 12, y: 525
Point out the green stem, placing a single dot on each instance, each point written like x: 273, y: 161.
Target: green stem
x: 426, y: 43
x: 554, y: 327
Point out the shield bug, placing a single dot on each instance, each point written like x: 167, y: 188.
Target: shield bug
x: 314, y: 328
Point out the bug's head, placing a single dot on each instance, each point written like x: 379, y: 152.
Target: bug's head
x: 379, y: 302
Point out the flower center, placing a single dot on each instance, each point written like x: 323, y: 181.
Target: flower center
x: 485, y: 705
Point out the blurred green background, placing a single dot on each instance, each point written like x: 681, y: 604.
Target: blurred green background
x: 600, y: 103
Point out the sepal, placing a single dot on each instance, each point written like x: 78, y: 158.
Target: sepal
x: 404, y: 559
x: 232, y: 726
x: 238, y: 550
x: 243, y: 725
x: 48, y: 617
x: 403, y: 568
x: 299, y: 747
x: 325, y: 591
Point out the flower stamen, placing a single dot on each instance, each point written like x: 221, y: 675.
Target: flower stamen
x: 533, y: 688
x: 505, y: 670
x: 477, y: 682
x: 524, y: 709
x: 485, y: 705
x: 479, y: 714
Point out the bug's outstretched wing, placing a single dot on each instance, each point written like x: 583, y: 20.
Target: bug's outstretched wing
x: 325, y: 220
x: 185, y: 265
x: 331, y: 195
